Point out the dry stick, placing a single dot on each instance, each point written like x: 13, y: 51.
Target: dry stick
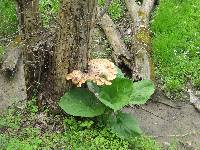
x: 152, y: 113
x: 132, y: 106
x: 114, y: 38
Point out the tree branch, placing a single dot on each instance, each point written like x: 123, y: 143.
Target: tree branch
x: 133, y: 8
x: 147, y: 7
x: 142, y: 66
x: 114, y: 37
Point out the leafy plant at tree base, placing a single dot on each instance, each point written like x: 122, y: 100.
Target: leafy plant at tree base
x: 81, y: 102
x: 117, y: 95
x: 124, y: 124
x: 109, y: 100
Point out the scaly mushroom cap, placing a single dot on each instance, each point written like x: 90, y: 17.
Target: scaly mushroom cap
x: 100, y: 71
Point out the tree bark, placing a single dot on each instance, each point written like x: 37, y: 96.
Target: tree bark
x: 142, y: 66
x: 30, y: 26
x: 46, y: 66
x: 71, y: 51
x: 114, y: 38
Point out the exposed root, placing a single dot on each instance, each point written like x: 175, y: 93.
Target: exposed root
x: 147, y: 7
x: 133, y: 8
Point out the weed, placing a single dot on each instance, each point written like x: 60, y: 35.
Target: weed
x: 127, y: 39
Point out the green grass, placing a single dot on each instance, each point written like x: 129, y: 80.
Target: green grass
x: 24, y: 128
x: 176, y: 43
x: 115, y: 10
x: 8, y: 23
x: 49, y: 11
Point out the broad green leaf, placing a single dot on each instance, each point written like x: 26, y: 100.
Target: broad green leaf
x: 94, y: 88
x: 125, y: 125
x: 117, y: 95
x: 119, y: 73
x: 142, y: 91
x: 81, y: 102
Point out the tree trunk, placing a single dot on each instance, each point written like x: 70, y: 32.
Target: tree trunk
x: 141, y: 48
x: 72, y: 47
x: 46, y: 66
x: 30, y: 29
x: 142, y: 66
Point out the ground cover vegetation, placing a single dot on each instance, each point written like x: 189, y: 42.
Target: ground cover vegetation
x: 23, y: 126
x: 176, y: 43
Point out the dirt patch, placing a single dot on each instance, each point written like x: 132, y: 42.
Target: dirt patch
x: 178, y: 121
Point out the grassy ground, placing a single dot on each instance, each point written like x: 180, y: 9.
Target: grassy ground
x: 8, y: 23
x: 24, y: 128
x: 176, y: 43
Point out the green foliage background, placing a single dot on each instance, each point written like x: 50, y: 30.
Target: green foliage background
x: 115, y: 10
x: 176, y: 43
x: 8, y: 23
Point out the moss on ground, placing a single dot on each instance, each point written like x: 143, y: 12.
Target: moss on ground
x: 24, y: 128
x: 176, y: 43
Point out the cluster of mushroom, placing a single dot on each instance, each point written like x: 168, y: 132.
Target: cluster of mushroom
x: 100, y: 71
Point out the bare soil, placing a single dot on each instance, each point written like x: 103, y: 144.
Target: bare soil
x: 169, y: 122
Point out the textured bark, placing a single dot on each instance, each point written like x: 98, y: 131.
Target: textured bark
x: 30, y: 29
x: 12, y: 88
x: 47, y: 66
x: 133, y: 8
x: 13, y: 53
x: 28, y: 17
x: 114, y: 38
x: 72, y: 47
x: 147, y: 7
x: 141, y: 49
